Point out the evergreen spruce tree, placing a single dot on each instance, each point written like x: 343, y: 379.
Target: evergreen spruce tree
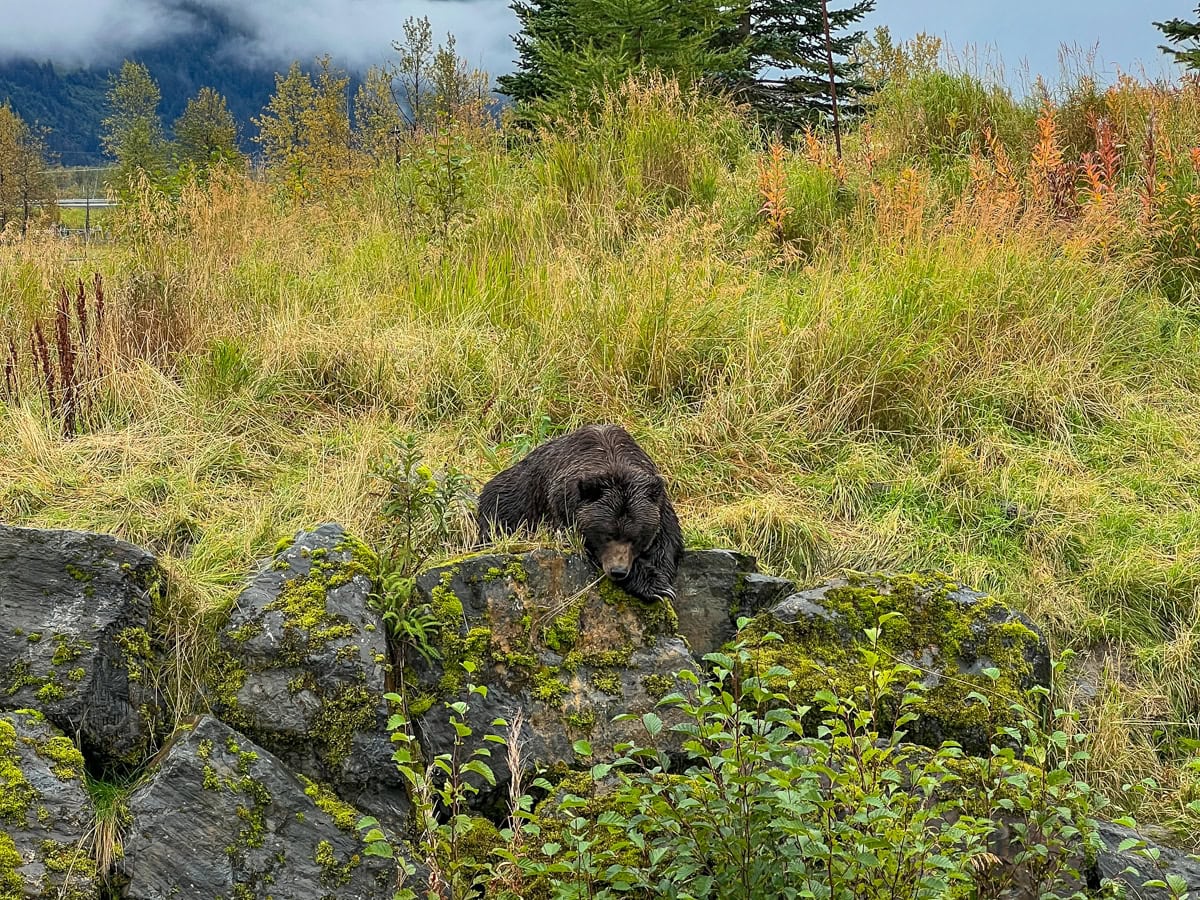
x: 544, y: 23
x: 1182, y: 32
x: 792, y: 46
x: 570, y: 49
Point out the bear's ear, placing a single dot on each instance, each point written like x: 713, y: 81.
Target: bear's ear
x: 656, y: 486
x: 590, y: 489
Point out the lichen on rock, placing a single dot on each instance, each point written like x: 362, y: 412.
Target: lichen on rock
x: 546, y: 636
x: 303, y: 667
x: 77, y: 637
x: 218, y: 816
x: 45, y: 813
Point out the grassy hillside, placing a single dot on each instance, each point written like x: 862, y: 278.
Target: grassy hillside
x: 970, y: 345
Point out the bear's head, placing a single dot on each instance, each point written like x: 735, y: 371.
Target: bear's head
x: 618, y: 515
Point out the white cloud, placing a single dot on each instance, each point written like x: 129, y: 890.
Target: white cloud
x: 77, y: 32
x: 357, y: 33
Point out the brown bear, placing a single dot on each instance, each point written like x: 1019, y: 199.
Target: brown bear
x: 598, y: 480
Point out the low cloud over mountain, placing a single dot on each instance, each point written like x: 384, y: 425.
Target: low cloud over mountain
x: 84, y: 33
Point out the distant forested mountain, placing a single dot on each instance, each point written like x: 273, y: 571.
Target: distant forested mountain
x: 71, y: 102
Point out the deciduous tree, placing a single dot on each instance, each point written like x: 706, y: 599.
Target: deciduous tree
x: 206, y: 131
x: 24, y: 181
x: 132, y: 131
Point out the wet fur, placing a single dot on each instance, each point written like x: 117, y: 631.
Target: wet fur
x: 599, y: 481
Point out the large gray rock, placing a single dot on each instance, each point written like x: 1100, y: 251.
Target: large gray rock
x: 303, y: 670
x: 550, y: 638
x: 75, y: 641
x: 45, y: 813
x: 950, y: 634
x: 219, y: 816
x: 714, y: 588
x: 1112, y: 862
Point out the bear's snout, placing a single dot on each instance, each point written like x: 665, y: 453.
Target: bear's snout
x: 617, y: 559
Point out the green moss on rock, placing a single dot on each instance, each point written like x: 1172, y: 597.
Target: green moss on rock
x: 548, y: 687
x: 81, y: 575
x: 933, y: 631
x: 12, y: 885
x: 334, y: 873
x: 302, y: 601
x: 608, y: 681
x: 50, y: 692
x: 67, y: 761
x: 20, y: 676
x: 343, y: 814
x: 658, y: 686
x: 657, y: 617
x: 341, y: 716
x: 67, y: 649
x: 16, y: 793
x: 582, y: 721
x: 562, y: 634
x: 136, y: 650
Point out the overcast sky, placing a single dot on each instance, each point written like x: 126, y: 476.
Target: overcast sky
x: 359, y: 32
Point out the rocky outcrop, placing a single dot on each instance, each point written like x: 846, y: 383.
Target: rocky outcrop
x: 263, y: 799
x: 45, y: 813
x: 304, y: 666
x: 219, y: 816
x: 952, y: 635
x: 549, y: 638
x: 75, y: 637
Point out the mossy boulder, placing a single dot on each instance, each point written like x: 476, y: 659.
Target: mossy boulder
x: 303, y: 666
x: 548, y: 637
x: 75, y: 637
x: 219, y: 816
x: 950, y: 633
x: 45, y: 813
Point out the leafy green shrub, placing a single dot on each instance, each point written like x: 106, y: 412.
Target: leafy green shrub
x: 441, y: 790
x: 442, y: 169
x: 425, y: 513
x: 844, y: 812
x: 766, y: 808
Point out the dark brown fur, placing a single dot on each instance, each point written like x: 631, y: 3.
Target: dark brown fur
x: 599, y: 481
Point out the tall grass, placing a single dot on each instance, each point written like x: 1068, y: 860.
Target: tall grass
x: 950, y: 349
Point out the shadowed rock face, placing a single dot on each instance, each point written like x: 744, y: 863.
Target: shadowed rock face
x: 304, y: 669
x: 714, y: 589
x: 1112, y: 863
x: 45, y: 812
x: 220, y: 816
x: 75, y: 640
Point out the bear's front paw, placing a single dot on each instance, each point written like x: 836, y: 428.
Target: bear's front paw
x: 663, y: 592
